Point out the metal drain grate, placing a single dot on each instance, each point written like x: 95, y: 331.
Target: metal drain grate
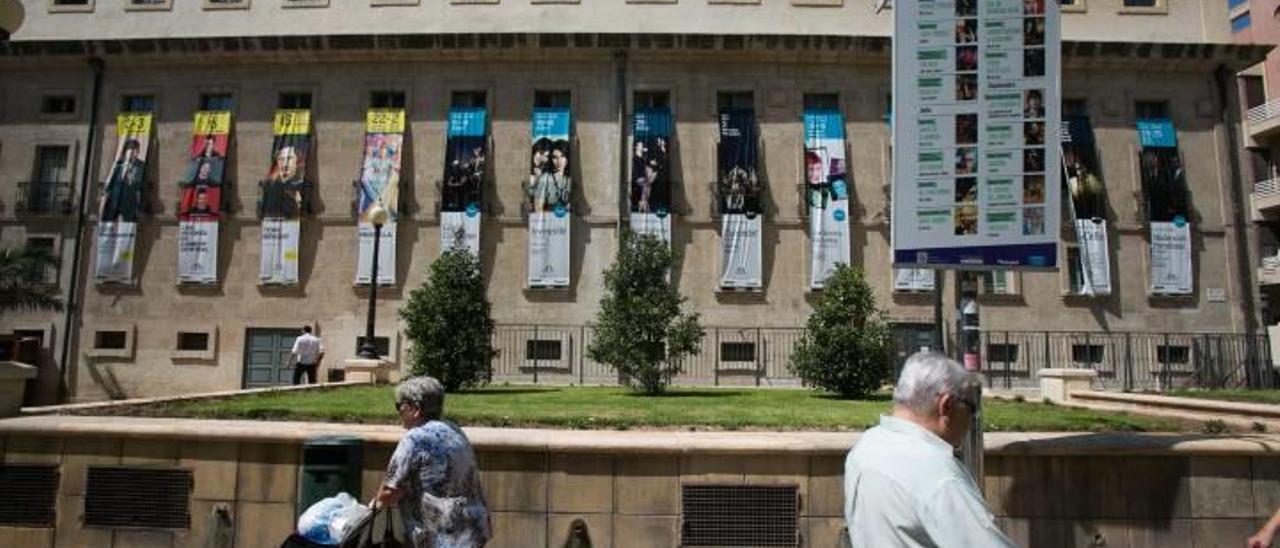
x: 740, y: 515
x: 30, y: 494
x: 138, y: 497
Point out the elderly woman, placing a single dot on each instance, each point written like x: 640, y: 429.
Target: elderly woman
x: 432, y: 475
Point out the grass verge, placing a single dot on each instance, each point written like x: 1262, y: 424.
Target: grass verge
x: 616, y: 408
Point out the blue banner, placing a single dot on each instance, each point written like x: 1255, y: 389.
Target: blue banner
x: 1157, y: 133
x: 467, y: 121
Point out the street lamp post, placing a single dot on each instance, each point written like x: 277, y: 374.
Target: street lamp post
x: 377, y: 215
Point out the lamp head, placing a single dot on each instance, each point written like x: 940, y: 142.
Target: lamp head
x: 377, y: 214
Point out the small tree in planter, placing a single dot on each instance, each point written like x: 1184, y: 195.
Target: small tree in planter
x: 640, y: 330
x: 846, y: 347
x: 448, y: 325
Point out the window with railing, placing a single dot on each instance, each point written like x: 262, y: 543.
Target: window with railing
x: 44, y: 273
x: 49, y: 190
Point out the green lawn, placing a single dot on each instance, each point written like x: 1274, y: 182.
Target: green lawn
x: 608, y: 407
x: 1247, y: 396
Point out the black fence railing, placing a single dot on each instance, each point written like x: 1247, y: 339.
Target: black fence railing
x: 1131, y: 361
x: 758, y: 356
x: 44, y: 198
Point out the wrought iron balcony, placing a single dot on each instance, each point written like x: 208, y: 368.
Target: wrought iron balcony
x: 1269, y: 267
x: 44, y: 198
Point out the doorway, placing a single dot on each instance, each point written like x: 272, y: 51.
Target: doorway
x: 266, y: 357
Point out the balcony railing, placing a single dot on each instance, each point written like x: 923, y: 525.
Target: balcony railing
x: 1269, y: 188
x: 1265, y: 111
x: 44, y: 198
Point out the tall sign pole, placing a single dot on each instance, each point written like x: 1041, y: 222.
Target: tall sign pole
x: 976, y: 131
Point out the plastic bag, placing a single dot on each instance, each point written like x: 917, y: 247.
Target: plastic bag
x: 330, y: 519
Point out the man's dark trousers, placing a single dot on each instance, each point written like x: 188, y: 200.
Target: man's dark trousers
x: 309, y: 370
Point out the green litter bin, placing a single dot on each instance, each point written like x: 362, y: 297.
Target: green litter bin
x: 330, y: 465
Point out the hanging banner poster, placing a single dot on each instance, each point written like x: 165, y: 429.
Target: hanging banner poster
x: 283, y: 198
x: 1171, y: 258
x: 121, y: 200
x: 200, y: 207
x: 827, y: 192
x: 913, y: 279
x: 650, y: 193
x: 1168, y: 207
x: 1087, y: 198
x: 976, y: 134
x: 464, y: 166
x: 739, y: 193
x: 379, y: 184
x: 548, y: 192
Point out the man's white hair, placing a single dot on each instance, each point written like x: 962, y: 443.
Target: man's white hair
x: 926, y: 377
x: 425, y: 393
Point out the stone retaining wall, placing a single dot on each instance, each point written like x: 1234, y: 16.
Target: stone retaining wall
x: 1047, y: 489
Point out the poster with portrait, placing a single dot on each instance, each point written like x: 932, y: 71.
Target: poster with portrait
x: 200, y: 205
x: 1087, y: 201
x: 283, y: 200
x: 826, y: 190
x: 379, y: 183
x: 1168, y: 207
x: 121, y: 200
x: 913, y: 279
x: 739, y: 189
x: 976, y: 126
x: 547, y: 194
x: 464, y: 168
x: 650, y: 188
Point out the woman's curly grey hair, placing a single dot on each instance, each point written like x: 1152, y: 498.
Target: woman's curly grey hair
x: 425, y: 393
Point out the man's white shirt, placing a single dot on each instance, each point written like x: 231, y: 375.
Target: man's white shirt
x: 307, y: 349
x: 904, y: 487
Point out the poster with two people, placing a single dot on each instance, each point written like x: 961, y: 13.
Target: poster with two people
x: 650, y: 188
x: 121, y: 200
x: 464, y: 168
x: 1088, y: 204
x: 199, y: 209
x: 548, y: 192
x: 739, y: 189
x: 826, y: 192
x: 283, y: 197
x: 379, y: 184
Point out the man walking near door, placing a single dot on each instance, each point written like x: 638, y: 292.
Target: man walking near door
x: 308, y: 350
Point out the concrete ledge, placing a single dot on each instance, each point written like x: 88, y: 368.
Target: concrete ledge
x: 627, y: 442
x: 1194, y: 404
x: 88, y: 406
x: 1057, y: 385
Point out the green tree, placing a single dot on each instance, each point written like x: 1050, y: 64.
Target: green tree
x: 22, y: 280
x: 640, y: 330
x: 448, y: 324
x: 846, y: 343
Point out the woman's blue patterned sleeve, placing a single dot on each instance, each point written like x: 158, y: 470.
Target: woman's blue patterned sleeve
x: 399, y: 468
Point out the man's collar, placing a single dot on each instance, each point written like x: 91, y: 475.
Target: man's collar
x: 911, y: 429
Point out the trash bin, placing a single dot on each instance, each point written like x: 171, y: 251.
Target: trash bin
x: 330, y: 465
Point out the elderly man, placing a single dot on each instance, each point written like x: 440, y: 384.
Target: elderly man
x: 432, y: 475
x: 903, y: 485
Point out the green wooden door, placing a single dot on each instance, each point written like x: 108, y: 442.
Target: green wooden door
x: 266, y: 357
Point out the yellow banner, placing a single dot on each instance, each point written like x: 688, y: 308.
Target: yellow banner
x: 212, y: 122
x: 293, y: 122
x: 133, y: 123
x: 385, y: 120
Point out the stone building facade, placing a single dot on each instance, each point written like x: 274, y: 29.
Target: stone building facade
x: 57, y: 129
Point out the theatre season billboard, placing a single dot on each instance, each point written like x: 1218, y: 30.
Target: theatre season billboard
x: 548, y: 192
x: 121, y: 200
x: 284, y: 197
x: 976, y: 131
x: 650, y: 189
x: 379, y: 184
x: 826, y: 193
x: 739, y: 188
x: 464, y: 168
x: 200, y: 207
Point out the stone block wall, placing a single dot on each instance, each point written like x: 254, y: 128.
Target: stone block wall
x: 632, y: 497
